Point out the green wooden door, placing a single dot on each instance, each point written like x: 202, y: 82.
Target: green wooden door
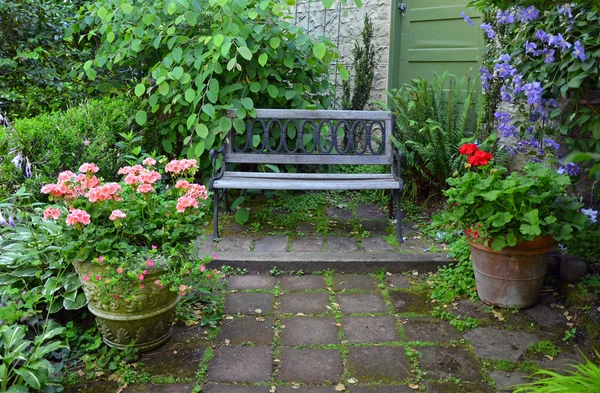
x: 432, y: 36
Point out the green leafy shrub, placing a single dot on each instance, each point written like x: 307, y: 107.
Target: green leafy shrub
x: 433, y: 117
x: 35, y: 61
x: 193, y: 59
x: 51, y: 143
x: 585, y: 245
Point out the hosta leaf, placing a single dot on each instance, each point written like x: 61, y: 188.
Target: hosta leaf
x: 242, y: 215
x: 76, y: 304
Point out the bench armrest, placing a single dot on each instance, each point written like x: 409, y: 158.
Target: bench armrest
x: 214, y: 156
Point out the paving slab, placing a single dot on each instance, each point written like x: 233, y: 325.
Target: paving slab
x: 545, y: 316
x: 397, y: 281
x: 174, y: 363
x: 219, y: 388
x: 305, y: 389
x: 240, y: 364
x: 307, y: 244
x: 466, y: 387
x: 160, y: 388
x: 358, y: 303
x: 354, y: 281
x: 306, y: 228
x: 429, y: 329
x: 439, y: 363
x: 189, y: 334
x: 562, y: 363
x: 504, y: 379
x: 306, y: 303
x: 370, y: 212
x: 252, y: 281
x: 271, y: 244
x: 309, y: 331
x: 471, y: 309
x: 358, y: 330
x: 411, y: 302
x: 248, y: 303
x: 380, y: 389
x: 378, y: 364
x: 377, y: 244
x: 233, y: 243
x: 298, y: 365
x: 302, y: 283
x: 492, y: 343
x: 246, y: 329
x: 340, y: 244
x: 375, y: 226
x: 340, y: 213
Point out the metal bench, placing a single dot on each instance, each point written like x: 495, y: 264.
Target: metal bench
x: 305, y: 137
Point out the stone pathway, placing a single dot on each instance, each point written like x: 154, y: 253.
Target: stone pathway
x: 352, y: 333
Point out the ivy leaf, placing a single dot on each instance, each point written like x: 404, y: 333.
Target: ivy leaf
x: 190, y: 95
x: 239, y: 126
x: 225, y: 124
x: 247, y: 103
x: 201, y: 130
x: 209, y: 109
x: 140, y: 117
x: 244, y: 52
x: 177, y: 72
x: 218, y: 40
x: 191, y: 120
x: 274, y: 42
x: 163, y: 88
x: 319, y: 50
x: 140, y: 89
x: 255, y: 86
x: 344, y: 74
x: 126, y: 8
x: 328, y: 3
x: 273, y: 91
x: 262, y: 59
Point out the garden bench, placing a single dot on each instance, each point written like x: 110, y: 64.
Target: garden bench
x: 308, y: 137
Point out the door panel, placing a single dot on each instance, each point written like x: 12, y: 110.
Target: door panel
x: 432, y: 36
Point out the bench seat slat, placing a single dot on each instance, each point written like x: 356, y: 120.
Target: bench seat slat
x: 287, y: 183
x: 313, y: 176
x: 304, y: 159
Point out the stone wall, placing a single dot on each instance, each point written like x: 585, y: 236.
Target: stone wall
x: 343, y: 24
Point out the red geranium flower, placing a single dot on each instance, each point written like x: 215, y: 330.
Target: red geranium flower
x: 479, y: 158
x: 468, y: 149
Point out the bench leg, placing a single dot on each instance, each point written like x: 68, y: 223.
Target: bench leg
x: 216, y: 215
x: 398, y: 217
x: 391, y: 205
x: 226, y: 196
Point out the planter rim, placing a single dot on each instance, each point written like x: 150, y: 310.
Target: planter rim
x: 130, y: 317
x: 539, y: 245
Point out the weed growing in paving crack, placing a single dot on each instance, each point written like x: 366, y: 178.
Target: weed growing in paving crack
x: 543, y: 348
x: 203, y: 370
x: 461, y: 324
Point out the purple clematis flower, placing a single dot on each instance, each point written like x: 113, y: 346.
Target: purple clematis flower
x: 531, y: 47
x: 502, y: 117
x: 466, y: 18
x: 533, y: 91
x: 559, y: 42
x: 551, y: 143
x: 548, y: 55
x: 579, y: 52
x: 528, y: 14
x: 505, y: 17
x: 566, y: 10
x: 571, y: 169
x: 542, y: 36
x: 488, y: 29
x: 505, y: 94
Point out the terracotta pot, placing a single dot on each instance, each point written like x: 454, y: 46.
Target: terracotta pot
x: 513, y: 276
x: 147, y: 319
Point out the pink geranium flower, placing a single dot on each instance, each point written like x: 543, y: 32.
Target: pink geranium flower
x: 145, y: 188
x: 186, y: 202
x: 78, y: 216
x: 149, y: 161
x: 116, y: 214
x: 51, y: 213
x: 89, y: 168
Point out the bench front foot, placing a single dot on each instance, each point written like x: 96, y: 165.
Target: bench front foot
x: 216, y: 214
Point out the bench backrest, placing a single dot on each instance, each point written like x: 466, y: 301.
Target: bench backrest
x: 299, y: 136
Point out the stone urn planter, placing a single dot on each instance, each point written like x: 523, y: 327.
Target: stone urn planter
x: 513, y: 276
x: 146, y: 319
